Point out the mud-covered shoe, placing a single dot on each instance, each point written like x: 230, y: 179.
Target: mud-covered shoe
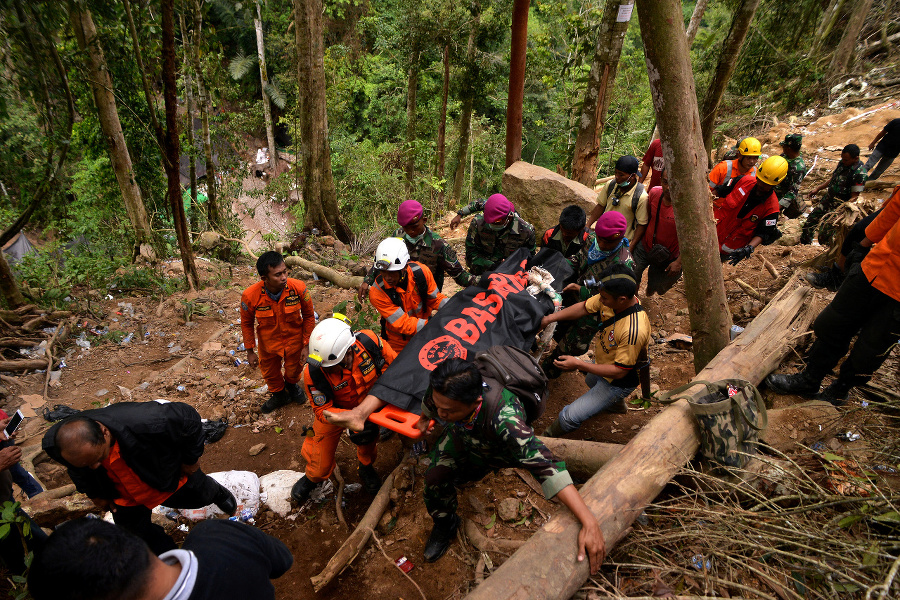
x: 441, y: 536
x: 276, y: 400
x: 302, y: 489
x: 370, y: 479
x: 294, y: 392
x: 801, y: 383
x: 829, y: 280
x: 619, y: 408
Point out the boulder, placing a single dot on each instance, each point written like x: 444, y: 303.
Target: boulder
x: 209, y: 240
x: 508, y: 509
x: 540, y: 194
x: 790, y: 232
x: 50, y: 512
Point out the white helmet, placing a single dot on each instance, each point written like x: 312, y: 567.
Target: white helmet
x: 329, y: 342
x: 391, y: 255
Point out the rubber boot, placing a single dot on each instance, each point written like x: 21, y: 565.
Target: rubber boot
x: 441, y: 536
x: 302, y: 489
x: 554, y: 430
x: 830, y: 280
x: 370, y: 479
x: 276, y: 400
x: 294, y: 392
x: 801, y: 383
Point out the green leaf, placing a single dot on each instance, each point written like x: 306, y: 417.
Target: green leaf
x: 4, y: 531
x: 832, y: 457
x: 850, y: 520
x: 491, y: 523
x: 279, y: 429
x: 889, y: 517
x: 520, y: 521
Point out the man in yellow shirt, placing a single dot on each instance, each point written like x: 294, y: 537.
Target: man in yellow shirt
x: 625, y: 195
x: 620, y: 350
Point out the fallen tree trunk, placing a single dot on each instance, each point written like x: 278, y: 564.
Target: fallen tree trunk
x: 349, y: 282
x: 354, y: 544
x: 545, y: 567
x: 582, y: 458
x: 23, y: 364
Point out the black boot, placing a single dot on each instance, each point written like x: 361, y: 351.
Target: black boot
x: 225, y: 501
x: 370, y: 479
x: 294, y: 392
x: 441, y: 535
x: 830, y: 280
x: 276, y: 400
x: 836, y: 393
x: 801, y: 383
x: 302, y: 489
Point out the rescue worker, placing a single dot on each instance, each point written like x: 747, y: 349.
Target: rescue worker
x: 661, y: 237
x: 495, y: 234
x: 788, y: 191
x: 748, y: 216
x: 425, y: 247
x: 473, y: 207
x: 885, y: 148
x: 569, y: 237
x: 724, y: 176
x: 624, y: 195
x: 620, y: 350
x: 866, y: 305
x: 341, y: 369
x: 277, y: 315
x: 404, y: 293
x: 609, y: 247
x: 479, y: 438
x: 845, y: 185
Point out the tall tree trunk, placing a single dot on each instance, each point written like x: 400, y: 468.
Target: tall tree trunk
x: 172, y: 149
x: 840, y: 60
x: 442, y: 127
x: 212, y: 191
x: 319, y: 193
x: 731, y: 49
x: 675, y: 101
x: 516, y: 96
x: 829, y: 18
x: 189, y: 97
x: 8, y: 286
x: 885, y: 21
x: 264, y: 80
x: 107, y: 111
x: 610, y: 36
x: 465, y: 117
x: 148, y: 95
x: 412, y: 90
x: 696, y: 17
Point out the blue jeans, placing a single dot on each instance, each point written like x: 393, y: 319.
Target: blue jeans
x: 601, y: 396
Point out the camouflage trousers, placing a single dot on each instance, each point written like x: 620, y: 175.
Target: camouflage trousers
x: 826, y: 232
x: 456, y: 458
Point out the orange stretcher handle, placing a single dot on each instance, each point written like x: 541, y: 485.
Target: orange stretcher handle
x: 395, y: 419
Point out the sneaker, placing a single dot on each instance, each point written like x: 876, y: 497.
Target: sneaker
x: 370, y: 479
x: 302, y: 489
x: 294, y: 392
x: 801, y: 383
x: 836, y: 393
x: 441, y: 536
x: 225, y: 501
x: 276, y: 400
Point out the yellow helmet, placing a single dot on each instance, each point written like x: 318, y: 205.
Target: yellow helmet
x: 749, y: 146
x: 773, y: 170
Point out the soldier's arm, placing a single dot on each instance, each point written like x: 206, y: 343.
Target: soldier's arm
x: 452, y: 267
x: 475, y: 206
x: 476, y: 257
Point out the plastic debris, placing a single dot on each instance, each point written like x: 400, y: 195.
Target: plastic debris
x: 697, y: 561
x: 736, y: 330
x: 848, y: 437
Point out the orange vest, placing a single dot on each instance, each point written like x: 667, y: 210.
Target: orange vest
x: 882, y: 265
x: 726, y: 170
x: 402, y: 322
x: 132, y: 489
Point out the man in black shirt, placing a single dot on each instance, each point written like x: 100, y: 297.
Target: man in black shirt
x: 90, y: 558
x: 885, y: 148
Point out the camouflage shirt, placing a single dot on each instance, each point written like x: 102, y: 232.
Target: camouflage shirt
x: 847, y: 180
x: 436, y: 254
x: 789, y: 188
x: 588, y: 270
x: 506, y: 441
x: 487, y: 248
x: 473, y: 207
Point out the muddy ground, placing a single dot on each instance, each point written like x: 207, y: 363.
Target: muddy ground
x: 184, y: 349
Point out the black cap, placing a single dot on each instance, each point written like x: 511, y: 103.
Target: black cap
x: 627, y: 164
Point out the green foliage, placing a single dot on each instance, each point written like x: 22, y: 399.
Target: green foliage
x: 369, y: 180
x: 363, y: 316
x: 11, y: 518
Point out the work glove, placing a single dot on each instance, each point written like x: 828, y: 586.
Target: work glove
x: 740, y: 254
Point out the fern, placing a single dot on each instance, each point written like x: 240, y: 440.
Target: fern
x: 275, y: 95
x: 240, y: 65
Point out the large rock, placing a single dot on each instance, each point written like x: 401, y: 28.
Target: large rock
x: 276, y: 487
x: 540, y: 194
x: 50, y: 512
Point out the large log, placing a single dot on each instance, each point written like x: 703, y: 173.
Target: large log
x: 545, y: 567
x: 350, y: 282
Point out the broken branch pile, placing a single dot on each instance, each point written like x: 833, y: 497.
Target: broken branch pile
x: 30, y: 332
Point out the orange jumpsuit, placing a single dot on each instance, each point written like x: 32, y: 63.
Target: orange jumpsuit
x: 281, y: 329
x: 400, y: 323
x: 348, y: 388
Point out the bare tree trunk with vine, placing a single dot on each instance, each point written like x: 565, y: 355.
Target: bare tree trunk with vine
x: 264, y: 80
x: 442, y: 127
x: 212, y: 190
x: 189, y: 97
x: 843, y: 54
x: 465, y: 117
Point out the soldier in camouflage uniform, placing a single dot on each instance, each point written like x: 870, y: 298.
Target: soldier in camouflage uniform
x: 425, y: 247
x: 788, y: 191
x: 846, y: 183
x: 482, y: 435
x: 496, y: 234
x: 608, y: 248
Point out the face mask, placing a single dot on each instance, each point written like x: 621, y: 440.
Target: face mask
x: 496, y: 226
x: 414, y: 240
x: 625, y: 183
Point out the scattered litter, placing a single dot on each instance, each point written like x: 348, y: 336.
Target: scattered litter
x: 183, y: 527
x: 404, y: 564
x: 819, y: 447
x: 213, y: 431
x: 102, y: 392
x: 736, y: 330
x: 180, y: 388
x: 352, y: 488
x: 697, y: 563
x: 59, y: 412
x: 322, y: 492
x: 848, y: 437
x: 864, y: 404
x: 885, y: 469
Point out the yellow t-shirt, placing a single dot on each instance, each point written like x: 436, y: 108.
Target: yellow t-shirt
x: 624, y: 206
x: 622, y: 343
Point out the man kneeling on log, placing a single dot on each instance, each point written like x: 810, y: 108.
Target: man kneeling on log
x: 486, y: 431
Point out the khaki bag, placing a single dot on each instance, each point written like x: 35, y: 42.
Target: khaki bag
x: 731, y: 413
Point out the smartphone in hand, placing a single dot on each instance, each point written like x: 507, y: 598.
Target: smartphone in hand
x: 13, y: 424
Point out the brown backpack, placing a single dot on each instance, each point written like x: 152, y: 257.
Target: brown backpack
x: 516, y: 370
